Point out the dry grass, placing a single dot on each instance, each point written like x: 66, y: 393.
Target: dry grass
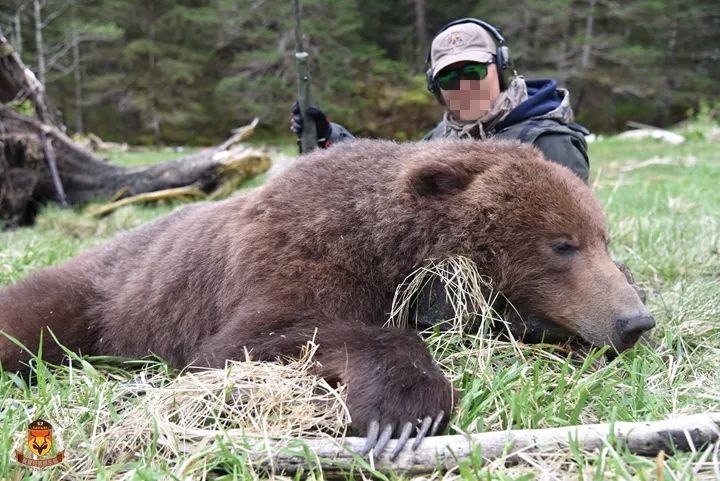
x: 179, y: 420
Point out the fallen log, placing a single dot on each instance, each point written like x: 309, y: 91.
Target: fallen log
x: 644, y: 131
x: 685, y: 433
x: 39, y: 163
x: 26, y: 181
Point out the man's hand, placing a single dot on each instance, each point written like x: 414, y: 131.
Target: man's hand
x: 322, y: 124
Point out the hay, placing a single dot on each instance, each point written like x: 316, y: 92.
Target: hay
x: 180, y: 421
x: 467, y: 338
x: 469, y: 293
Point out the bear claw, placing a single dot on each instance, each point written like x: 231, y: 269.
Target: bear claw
x: 372, y: 435
x: 424, y: 427
x: 436, y: 424
x: 404, y: 436
x: 383, y: 440
x: 377, y: 440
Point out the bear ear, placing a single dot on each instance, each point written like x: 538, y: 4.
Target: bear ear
x: 432, y: 178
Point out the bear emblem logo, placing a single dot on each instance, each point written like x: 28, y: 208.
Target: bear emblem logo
x: 39, y: 437
x: 39, y: 442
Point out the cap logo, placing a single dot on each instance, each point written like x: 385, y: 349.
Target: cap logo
x: 456, y: 41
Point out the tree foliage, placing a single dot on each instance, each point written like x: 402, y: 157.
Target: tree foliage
x: 188, y: 71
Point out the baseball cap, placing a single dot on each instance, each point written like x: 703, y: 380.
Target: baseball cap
x: 461, y: 43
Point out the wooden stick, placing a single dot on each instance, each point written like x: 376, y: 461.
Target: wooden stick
x: 166, y: 194
x: 686, y: 433
x: 240, y: 134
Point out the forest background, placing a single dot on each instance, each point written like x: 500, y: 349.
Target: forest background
x: 187, y: 72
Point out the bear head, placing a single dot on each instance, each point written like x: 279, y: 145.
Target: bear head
x: 539, y: 233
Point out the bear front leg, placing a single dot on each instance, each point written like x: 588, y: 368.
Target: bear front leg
x: 394, y: 387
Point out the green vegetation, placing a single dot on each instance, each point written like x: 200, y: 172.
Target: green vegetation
x: 662, y: 205
x: 145, y: 156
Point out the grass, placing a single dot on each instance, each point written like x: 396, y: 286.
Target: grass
x: 662, y: 204
x: 137, y: 158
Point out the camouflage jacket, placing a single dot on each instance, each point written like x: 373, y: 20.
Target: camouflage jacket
x: 552, y: 131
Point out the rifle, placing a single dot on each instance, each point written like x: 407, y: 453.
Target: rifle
x: 308, y: 137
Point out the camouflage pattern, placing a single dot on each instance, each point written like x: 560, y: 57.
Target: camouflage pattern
x: 554, y: 134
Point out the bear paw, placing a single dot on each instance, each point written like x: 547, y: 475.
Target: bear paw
x: 397, y: 400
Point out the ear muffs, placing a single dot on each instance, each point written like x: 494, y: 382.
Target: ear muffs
x: 506, y: 69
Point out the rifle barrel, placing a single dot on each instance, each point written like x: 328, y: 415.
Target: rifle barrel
x: 308, y: 137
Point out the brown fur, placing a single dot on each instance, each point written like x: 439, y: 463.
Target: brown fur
x: 317, y: 253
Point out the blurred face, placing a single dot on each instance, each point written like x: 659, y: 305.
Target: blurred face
x: 465, y: 98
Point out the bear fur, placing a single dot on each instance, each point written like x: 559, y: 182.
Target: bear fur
x: 316, y: 254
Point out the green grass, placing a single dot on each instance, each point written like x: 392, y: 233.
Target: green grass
x: 664, y: 219
x: 136, y: 158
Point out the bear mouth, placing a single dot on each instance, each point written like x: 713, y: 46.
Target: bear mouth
x: 535, y: 330
x: 546, y: 331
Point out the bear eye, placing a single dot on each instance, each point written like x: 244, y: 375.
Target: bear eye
x: 564, y: 248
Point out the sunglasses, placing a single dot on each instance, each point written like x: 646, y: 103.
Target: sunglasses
x: 449, y: 79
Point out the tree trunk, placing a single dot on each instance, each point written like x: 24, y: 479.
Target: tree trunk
x: 588, y: 43
x: 17, y: 83
x: 79, y: 124
x: 421, y: 30
x: 77, y: 74
x: 155, y: 123
x: 18, y: 31
x: 39, y: 47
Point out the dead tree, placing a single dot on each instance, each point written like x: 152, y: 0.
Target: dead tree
x: 29, y: 144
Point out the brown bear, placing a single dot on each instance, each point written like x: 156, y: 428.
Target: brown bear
x: 317, y: 253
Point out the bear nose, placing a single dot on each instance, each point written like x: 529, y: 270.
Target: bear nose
x: 635, y: 326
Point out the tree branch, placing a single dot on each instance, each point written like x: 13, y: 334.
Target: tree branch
x: 685, y: 433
